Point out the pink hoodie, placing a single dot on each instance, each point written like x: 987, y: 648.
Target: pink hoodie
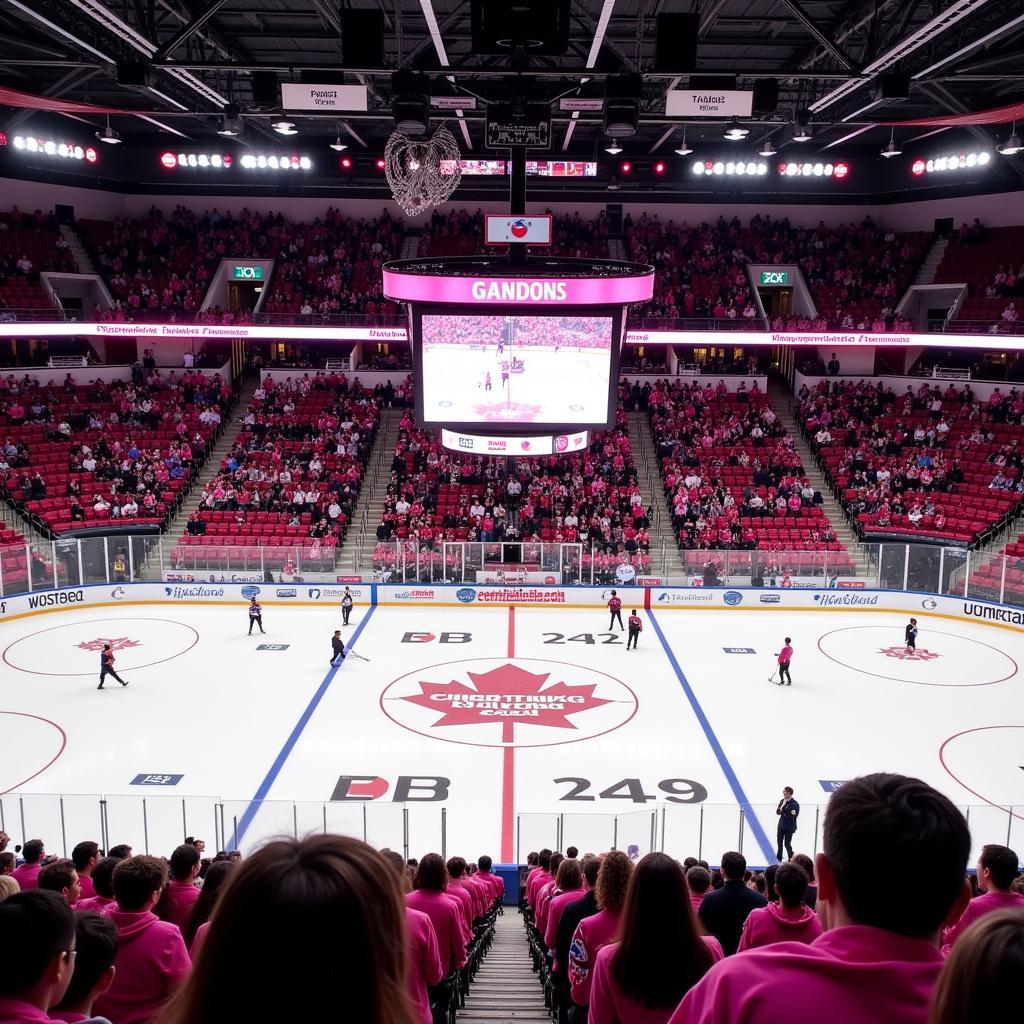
x: 88, y: 889
x: 496, y: 884
x: 151, y: 963
x: 774, y: 923
x: 979, y: 907
x: 97, y: 904
x: 425, y: 967
x: 444, y: 916
x: 555, y: 908
x: 27, y: 876
x: 850, y: 975
x: 609, y: 1005
x: 592, y: 933
x: 176, y: 903
x: 14, y: 1011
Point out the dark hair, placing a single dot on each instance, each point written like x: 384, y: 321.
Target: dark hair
x: 531, y: 858
x: 334, y: 888
x: 103, y: 876
x: 982, y: 976
x: 690, y: 862
x: 456, y: 866
x: 397, y: 861
x: 556, y: 859
x: 787, y: 789
x: 431, y: 873
x: 95, y: 949
x: 591, y: 867
x: 1002, y: 864
x: 613, y: 880
x: 698, y: 879
x: 571, y: 851
x: 210, y: 893
x: 183, y: 860
x: 893, y: 819
x: 544, y: 859
x: 661, y: 954
x: 32, y: 851
x: 83, y: 853
x: 759, y: 883
x: 769, y: 877
x: 484, y: 862
x: 791, y: 882
x: 121, y: 851
x: 8, y: 858
x: 136, y: 879
x: 569, y: 875
x: 34, y: 927
x: 57, y: 875
x: 806, y: 863
x: 733, y: 866
x: 788, y: 640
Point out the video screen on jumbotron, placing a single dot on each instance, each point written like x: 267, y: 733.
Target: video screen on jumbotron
x: 502, y: 369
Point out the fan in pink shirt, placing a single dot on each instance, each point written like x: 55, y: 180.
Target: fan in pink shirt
x: 997, y: 868
x: 661, y: 953
x: 878, y: 959
x: 95, y: 950
x: 568, y: 887
x: 463, y: 888
x: 594, y: 933
x: 484, y: 874
x: 698, y: 881
x: 152, y: 961
x: 538, y: 878
x: 85, y: 856
x: 429, y: 897
x: 27, y: 875
x: 180, y: 893
x: 789, y: 920
x: 102, y: 880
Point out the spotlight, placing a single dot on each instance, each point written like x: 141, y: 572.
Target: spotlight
x: 767, y: 149
x: 683, y: 149
x: 891, y: 148
x: 622, y: 105
x: 1012, y: 145
x: 108, y: 135
x: 625, y: 167
x: 410, y: 106
x: 231, y: 124
x: 345, y: 163
x: 284, y: 127
x: 380, y: 163
x: 735, y: 132
x: 802, y: 129
x: 613, y: 149
x: 659, y: 167
x: 338, y: 146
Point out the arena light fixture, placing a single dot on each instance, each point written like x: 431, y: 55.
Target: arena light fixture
x: 337, y: 145
x: 284, y: 127
x: 951, y: 163
x: 172, y: 161
x: 613, y: 149
x: 891, y: 148
x: 109, y: 135
x: 729, y: 168
x: 1012, y: 145
x: 802, y: 129
x: 275, y: 162
x: 231, y: 123
x: 736, y: 132
x: 683, y: 149
x: 625, y: 167
x: 40, y: 146
x: 767, y: 149
x: 816, y: 169
x: 659, y: 167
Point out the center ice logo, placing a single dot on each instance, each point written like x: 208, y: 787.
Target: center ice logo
x: 903, y: 654
x: 490, y: 702
x: 119, y: 643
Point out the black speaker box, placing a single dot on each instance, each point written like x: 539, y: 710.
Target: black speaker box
x: 892, y: 86
x: 133, y: 73
x: 712, y: 83
x: 362, y: 39
x: 766, y: 95
x: 675, y: 42
x: 264, y: 89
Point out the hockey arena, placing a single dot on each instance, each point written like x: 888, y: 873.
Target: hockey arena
x: 523, y: 722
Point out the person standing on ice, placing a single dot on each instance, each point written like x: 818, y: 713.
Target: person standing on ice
x: 615, y: 607
x: 337, y: 647
x: 635, y: 625
x: 785, y: 656
x: 255, y: 615
x: 910, y: 635
x: 346, y: 606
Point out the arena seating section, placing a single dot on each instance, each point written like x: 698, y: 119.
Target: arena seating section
x: 861, y: 421
x: 440, y: 486
x: 975, y: 259
x: 853, y: 270
x: 707, y: 433
x: 288, y: 426
x: 37, y: 238
x: 171, y: 439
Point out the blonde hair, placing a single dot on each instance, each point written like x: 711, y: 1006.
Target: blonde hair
x: 8, y: 887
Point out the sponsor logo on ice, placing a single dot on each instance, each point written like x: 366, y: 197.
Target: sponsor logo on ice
x: 273, y: 647
x: 902, y: 654
x: 156, y: 780
x: 118, y: 643
x: 831, y: 785
x: 739, y: 650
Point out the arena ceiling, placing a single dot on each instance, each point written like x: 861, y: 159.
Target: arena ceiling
x: 826, y: 55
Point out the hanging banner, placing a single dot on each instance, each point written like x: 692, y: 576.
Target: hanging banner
x: 298, y: 96
x: 709, y: 103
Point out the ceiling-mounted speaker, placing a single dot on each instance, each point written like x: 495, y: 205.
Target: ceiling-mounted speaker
x: 712, y: 83
x: 264, y: 89
x: 892, y: 85
x: 534, y: 27
x: 675, y: 43
x: 134, y: 73
x: 766, y: 95
x: 362, y: 38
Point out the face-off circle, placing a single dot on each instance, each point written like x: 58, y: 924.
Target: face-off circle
x: 988, y: 761
x: 73, y: 649
x: 941, y: 659
x: 495, y: 702
x: 30, y: 745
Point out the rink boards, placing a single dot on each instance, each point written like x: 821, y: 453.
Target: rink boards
x: 497, y: 719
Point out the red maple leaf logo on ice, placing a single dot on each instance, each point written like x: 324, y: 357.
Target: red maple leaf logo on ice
x: 902, y: 654
x: 507, y: 696
x: 118, y: 643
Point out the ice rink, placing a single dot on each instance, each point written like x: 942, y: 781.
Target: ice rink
x: 497, y: 730
x: 455, y: 385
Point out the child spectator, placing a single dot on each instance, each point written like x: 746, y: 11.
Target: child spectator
x: 789, y: 920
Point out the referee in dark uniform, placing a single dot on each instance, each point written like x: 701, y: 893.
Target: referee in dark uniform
x: 788, y: 811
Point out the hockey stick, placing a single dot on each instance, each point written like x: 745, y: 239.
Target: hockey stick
x: 352, y: 654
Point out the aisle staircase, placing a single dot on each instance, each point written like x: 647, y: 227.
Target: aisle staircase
x: 79, y: 253
x: 930, y: 264
x: 505, y: 988
x: 665, y: 559
x: 356, y: 555
x: 785, y: 405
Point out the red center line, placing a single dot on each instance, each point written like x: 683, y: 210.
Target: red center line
x: 508, y: 766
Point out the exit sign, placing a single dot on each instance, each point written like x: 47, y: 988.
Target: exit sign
x: 247, y: 273
x: 774, y: 278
